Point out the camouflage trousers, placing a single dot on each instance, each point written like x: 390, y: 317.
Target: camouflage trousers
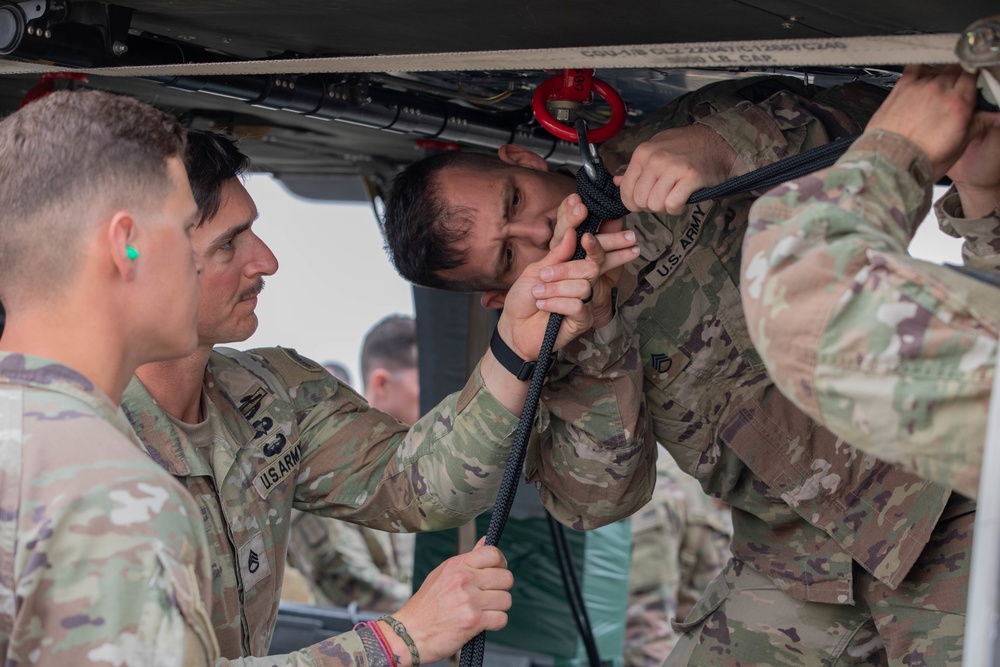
x: 745, y: 619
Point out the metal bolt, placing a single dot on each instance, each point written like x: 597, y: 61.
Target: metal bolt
x: 31, y: 30
x: 119, y: 48
x: 48, y: 34
x: 983, y: 39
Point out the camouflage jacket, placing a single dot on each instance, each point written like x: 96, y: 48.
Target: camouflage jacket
x: 282, y: 433
x: 680, y: 542
x: 893, y: 353
x: 102, y: 554
x: 345, y: 563
x: 805, y: 504
x: 981, y: 246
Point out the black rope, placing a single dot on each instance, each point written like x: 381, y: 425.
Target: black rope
x: 603, y: 200
x: 574, y: 593
x: 472, y: 652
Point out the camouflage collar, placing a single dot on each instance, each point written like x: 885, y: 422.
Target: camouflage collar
x: 47, y: 375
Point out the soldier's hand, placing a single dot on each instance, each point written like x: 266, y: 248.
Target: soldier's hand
x: 671, y: 166
x: 460, y: 598
x: 977, y: 174
x: 610, y: 241
x: 577, y: 289
x: 934, y: 108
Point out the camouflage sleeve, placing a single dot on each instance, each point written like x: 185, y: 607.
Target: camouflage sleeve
x: 787, y: 123
x: 362, y: 465
x: 113, y: 576
x: 594, y: 461
x: 344, y: 650
x: 981, y: 247
x: 337, y: 561
x: 894, y: 355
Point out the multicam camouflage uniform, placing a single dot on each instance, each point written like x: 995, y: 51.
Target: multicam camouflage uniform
x: 280, y: 432
x: 102, y: 556
x: 345, y: 563
x: 895, y: 354
x: 680, y: 542
x: 846, y: 544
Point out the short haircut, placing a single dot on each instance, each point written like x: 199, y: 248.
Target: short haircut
x: 422, y: 233
x: 390, y: 344
x: 212, y: 159
x: 65, y: 159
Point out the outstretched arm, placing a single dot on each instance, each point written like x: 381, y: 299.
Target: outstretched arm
x: 894, y: 355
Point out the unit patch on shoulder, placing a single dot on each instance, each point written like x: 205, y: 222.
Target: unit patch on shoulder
x: 291, y: 367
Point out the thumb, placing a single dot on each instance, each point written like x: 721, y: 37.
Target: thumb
x: 481, y: 543
x: 982, y: 122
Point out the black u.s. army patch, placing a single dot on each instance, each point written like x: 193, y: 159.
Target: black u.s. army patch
x: 250, y: 404
x: 278, y: 468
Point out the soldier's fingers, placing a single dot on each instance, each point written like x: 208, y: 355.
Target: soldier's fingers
x: 571, y: 308
x: 619, y: 258
x: 677, y: 200
x: 627, y: 185
x: 494, y: 579
x: 483, y: 557
x: 493, y: 600
x: 569, y: 289
x: 494, y: 620
x: 593, y: 248
x: 616, y: 240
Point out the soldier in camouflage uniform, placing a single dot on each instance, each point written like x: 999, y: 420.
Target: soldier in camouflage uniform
x: 680, y: 542
x: 895, y: 354
x: 103, y: 558
x: 348, y: 563
x: 836, y: 555
x: 253, y: 435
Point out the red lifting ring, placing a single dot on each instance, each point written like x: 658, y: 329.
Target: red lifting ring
x: 550, y: 88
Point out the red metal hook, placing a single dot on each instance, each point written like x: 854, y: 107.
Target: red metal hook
x: 576, y: 85
x: 47, y: 84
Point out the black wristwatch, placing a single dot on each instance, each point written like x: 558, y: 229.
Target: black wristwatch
x: 508, y: 358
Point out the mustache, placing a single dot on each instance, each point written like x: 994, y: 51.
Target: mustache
x: 253, y: 290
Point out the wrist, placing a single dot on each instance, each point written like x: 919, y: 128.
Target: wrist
x: 517, y: 366
x: 398, y: 647
x: 977, y: 202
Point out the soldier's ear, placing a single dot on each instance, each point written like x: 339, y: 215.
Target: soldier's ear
x: 522, y: 157
x: 494, y: 299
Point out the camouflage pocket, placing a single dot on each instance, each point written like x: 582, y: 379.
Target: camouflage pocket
x: 200, y: 646
x: 710, y: 601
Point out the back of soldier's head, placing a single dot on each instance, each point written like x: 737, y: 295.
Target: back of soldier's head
x: 390, y: 344
x: 422, y: 230
x: 66, y: 160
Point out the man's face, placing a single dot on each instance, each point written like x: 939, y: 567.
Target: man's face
x: 513, y: 210
x: 170, y: 267
x: 236, y: 261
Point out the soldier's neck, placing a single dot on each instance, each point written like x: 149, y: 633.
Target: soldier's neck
x: 176, y: 385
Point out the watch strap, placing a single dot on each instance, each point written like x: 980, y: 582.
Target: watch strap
x: 508, y: 358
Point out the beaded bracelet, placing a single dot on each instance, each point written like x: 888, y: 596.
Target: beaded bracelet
x: 400, y: 630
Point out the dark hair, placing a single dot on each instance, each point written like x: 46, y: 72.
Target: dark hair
x: 212, y: 159
x: 390, y: 344
x: 62, y: 156
x: 421, y: 231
